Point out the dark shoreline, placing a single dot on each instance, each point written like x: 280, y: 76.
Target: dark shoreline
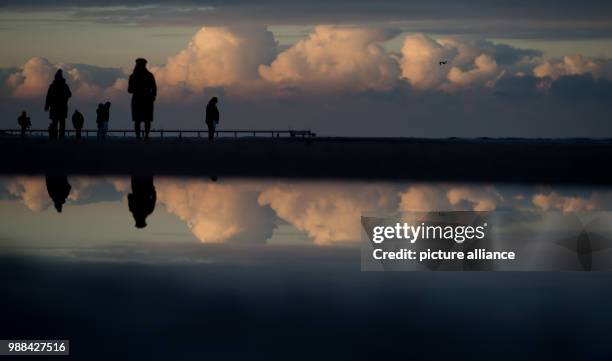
x: 568, y: 161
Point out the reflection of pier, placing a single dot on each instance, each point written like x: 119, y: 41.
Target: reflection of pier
x: 197, y: 133
x: 454, y: 160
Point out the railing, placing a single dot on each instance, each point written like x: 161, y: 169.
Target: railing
x: 173, y: 132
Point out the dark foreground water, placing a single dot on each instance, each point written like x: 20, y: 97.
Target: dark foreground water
x: 243, y: 269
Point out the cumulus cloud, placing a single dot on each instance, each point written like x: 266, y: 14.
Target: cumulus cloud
x: 329, y: 213
x: 485, y: 70
x: 467, y: 63
x: 336, y: 58
x: 217, y: 57
x: 217, y: 212
x: 567, y: 65
x: 245, y: 61
x: 420, y: 61
x: 33, y: 78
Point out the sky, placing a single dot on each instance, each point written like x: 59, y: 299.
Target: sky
x: 338, y: 68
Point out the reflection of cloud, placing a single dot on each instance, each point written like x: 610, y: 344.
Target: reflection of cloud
x: 31, y: 190
x: 423, y: 198
x: 567, y: 204
x: 476, y: 198
x: 329, y: 213
x: 215, y: 212
x: 445, y: 198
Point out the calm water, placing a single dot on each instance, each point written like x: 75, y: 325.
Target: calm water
x: 252, y: 268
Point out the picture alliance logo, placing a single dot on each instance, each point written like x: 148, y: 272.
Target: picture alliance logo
x: 429, y: 231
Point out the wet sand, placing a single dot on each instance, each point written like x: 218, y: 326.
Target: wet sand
x: 475, y: 160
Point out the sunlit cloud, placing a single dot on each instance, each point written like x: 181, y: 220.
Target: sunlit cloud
x: 216, y: 57
x: 335, y: 59
x: 568, y: 65
x: 246, y: 62
x: 32, y: 80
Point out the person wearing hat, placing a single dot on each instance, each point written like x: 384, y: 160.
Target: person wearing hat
x: 56, y: 104
x: 144, y: 90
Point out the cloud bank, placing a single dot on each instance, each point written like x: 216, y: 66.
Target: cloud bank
x: 336, y: 60
x: 341, y: 80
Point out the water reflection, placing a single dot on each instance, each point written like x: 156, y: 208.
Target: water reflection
x: 59, y: 189
x: 142, y: 199
x: 257, y: 211
x: 95, y: 260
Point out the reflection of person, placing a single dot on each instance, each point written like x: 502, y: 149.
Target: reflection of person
x: 77, y: 122
x: 59, y: 189
x: 144, y: 90
x: 142, y: 199
x: 24, y: 122
x: 57, y: 105
x: 212, y: 117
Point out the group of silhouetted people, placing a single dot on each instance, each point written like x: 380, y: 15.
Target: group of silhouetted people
x: 141, y: 201
x: 141, y: 85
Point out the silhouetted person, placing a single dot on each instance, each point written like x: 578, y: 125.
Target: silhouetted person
x: 59, y: 189
x: 77, y: 122
x: 142, y: 199
x: 57, y: 105
x: 102, y: 119
x: 144, y: 90
x: 24, y: 123
x: 212, y: 117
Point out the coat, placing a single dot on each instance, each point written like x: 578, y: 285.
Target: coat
x: 78, y: 120
x: 144, y: 90
x: 57, y: 99
x: 212, y: 114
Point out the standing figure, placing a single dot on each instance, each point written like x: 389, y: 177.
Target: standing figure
x: 24, y: 123
x: 77, y: 122
x: 100, y: 121
x: 212, y: 117
x: 59, y: 189
x: 105, y: 118
x: 57, y: 105
x: 142, y: 199
x: 144, y: 90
